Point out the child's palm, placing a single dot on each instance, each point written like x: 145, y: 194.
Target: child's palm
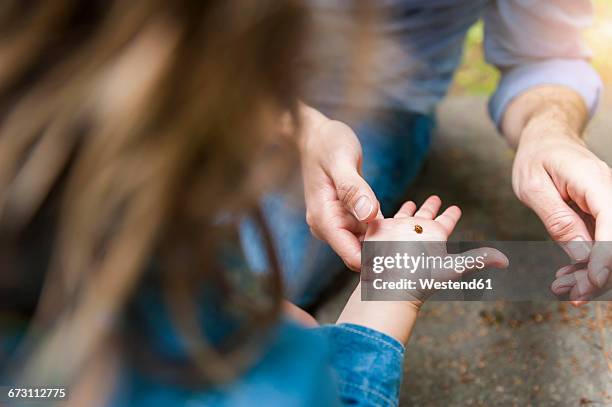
x: 410, y: 224
x: 422, y: 225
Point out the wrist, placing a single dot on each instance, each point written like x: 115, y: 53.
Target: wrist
x: 393, y: 318
x: 550, y: 123
x: 545, y: 111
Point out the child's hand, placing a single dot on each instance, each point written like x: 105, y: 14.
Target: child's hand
x: 396, y: 318
x: 410, y: 224
x: 299, y: 315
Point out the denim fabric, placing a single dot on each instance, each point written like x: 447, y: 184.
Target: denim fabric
x: 395, y: 146
x: 368, y: 364
x: 326, y: 366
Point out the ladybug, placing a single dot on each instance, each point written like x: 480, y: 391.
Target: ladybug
x: 418, y: 229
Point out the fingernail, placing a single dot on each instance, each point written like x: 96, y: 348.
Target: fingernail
x: 363, y: 208
x: 565, y: 270
x: 602, y: 277
x: 563, y: 284
x: 579, y: 249
x: 584, y: 286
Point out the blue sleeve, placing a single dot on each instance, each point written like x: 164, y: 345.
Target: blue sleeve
x: 537, y: 43
x: 367, y: 363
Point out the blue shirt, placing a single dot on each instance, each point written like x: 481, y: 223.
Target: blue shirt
x: 531, y: 42
x: 332, y: 365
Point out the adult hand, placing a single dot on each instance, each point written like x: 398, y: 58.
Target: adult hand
x: 339, y: 202
x: 569, y: 188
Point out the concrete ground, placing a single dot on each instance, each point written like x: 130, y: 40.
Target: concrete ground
x: 484, y: 354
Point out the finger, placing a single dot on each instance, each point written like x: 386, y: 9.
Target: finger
x: 449, y: 218
x: 347, y: 246
x: 356, y: 228
x: 484, y: 257
x: 330, y: 217
x: 406, y: 211
x: 562, y: 223
x: 578, y: 250
x: 569, y: 269
x: 598, y: 194
x: 316, y: 234
x: 587, y: 218
x: 430, y: 208
x: 355, y: 193
x: 563, y: 284
x: 603, y: 225
x: 599, y: 202
x: 600, y: 264
x: 583, y: 290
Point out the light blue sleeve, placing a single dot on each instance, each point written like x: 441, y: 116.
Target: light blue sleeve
x: 539, y: 43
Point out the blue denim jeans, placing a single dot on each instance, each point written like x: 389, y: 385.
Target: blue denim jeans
x: 395, y: 146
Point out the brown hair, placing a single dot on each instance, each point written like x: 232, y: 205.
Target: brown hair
x: 140, y: 130
x: 135, y: 125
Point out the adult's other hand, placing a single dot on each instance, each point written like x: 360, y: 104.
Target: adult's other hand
x: 567, y: 185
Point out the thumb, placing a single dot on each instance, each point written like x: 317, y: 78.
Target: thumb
x: 560, y: 220
x: 483, y: 258
x: 355, y: 193
x: 471, y: 261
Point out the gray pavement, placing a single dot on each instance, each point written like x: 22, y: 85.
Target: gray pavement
x: 498, y: 354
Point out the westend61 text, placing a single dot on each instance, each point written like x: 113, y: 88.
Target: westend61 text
x: 432, y: 284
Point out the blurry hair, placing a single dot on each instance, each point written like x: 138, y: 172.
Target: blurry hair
x: 129, y: 130
x: 135, y: 125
